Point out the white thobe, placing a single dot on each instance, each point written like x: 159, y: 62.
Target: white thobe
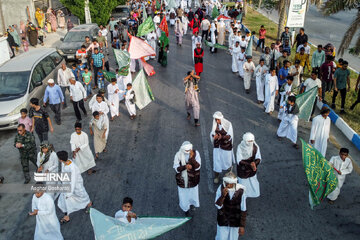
x: 93, y: 101
x: 151, y: 38
x: 241, y: 61
x: 185, y: 23
x: 188, y: 196
x: 288, y: 126
x: 122, y: 217
x: 235, y: 59
x: 283, y: 100
x: 345, y: 167
x: 320, y: 131
x: 243, y: 44
x: 232, y: 42
x: 212, y: 35
x: 113, y: 95
x: 104, y: 108
x: 249, y: 68
x: 122, y: 82
x: 47, y: 223
x: 133, y: 65
x: 271, y: 86
x: 77, y: 198
x: 84, y: 159
x: 130, y: 106
x: 223, y: 159
x: 260, y: 73
x: 226, y: 232
x: 251, y: 184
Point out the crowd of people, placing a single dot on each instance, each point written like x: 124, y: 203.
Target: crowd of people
x: 274, y: 75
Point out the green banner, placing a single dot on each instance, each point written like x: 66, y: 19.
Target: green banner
x: 109, y: 75
x: 305, y: 101
x: 123, y: 61
x: 146, y: 27
x: 319, y: 173
x: 164, y: 40
x: 216, y: 45
x: 215, y: 13
x: 143, y: 92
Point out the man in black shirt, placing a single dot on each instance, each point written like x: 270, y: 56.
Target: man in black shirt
x: 301, y: 38
x: 41, y: 120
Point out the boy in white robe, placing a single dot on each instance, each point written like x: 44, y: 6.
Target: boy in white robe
x: 241, y: 61
x: 232, y: 41
x: 187, y: 163
x: 82, y: 154
x: 243, y: 42
x: 77, y: 198
x: 47, y: 223
x: 235, y: 56
x: 113, y: 96
x: 248, y: 158
x: 102, y: 107
x: 249, y: 68
x: 320, y: 131
x: 98, y: 128
x: 271, y: 91
x: 230, y: 200
x: 260, y: 72
x: 221, y: 136
x: 288, y: 125
x: 286, y: 90
x: 93, y: 99
x: 185, y: 23
x: 151, y: 38
x: 130, y: 101
x: 342, y: 166
x: 126, y: 215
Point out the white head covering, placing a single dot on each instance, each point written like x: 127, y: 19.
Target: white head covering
x: 224, y: 123
x: 245, y: 148
x: 181, y: 156
x: 231, y: 178
x: 51, y: 81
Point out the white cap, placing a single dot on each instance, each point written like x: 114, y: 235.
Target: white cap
x: 51, y: 81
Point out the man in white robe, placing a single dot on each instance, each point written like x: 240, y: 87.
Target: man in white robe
x: 235, y: 57
x: 249, y: 68
x: 241, y: 60
x: 271, y: 91
x: 185, y: 22
x: 130, y: 101
x: 113, y: 94
x: 221, y: 32
x: 82, y: 155
x: 221, y: 136
x: 260, y: 72
x: 248, y: 158
x: 102, y: 107
x: 122, y: 82
x: 151, y: 38
x: 342, y: 166
x: 77, y: 198
x: 194, y: 40
x: 187, y: 163
x: 320, y: 131
x: 288, y: 125
x: 230, y: 200
x: 93, y: 99
x: 232, y: 38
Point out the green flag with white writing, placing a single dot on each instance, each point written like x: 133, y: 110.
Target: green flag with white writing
x: 305, y: 101
x: 146, y: 27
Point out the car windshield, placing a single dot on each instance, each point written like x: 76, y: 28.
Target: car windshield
x: 76, y: 36
x: 121, y: 10
x: 13, y: 84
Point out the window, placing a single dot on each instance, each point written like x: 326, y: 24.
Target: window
x: 56, y: 57
x: 95, y: 32
x: 13, y: 84
x: 37, y: 76
x: 47, y: 65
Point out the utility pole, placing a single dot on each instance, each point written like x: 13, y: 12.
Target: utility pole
x: 87, y: 12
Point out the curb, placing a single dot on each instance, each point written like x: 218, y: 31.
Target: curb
x: 342, y: 125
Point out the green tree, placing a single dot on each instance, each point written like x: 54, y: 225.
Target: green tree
x: 334, y: 6
x: 100, y: 10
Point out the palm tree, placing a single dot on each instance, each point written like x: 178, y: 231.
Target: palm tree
x: 335, y: 6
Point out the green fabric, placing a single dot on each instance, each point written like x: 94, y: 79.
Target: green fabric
x: 164, y: 40
x: 215, y: 13
x: 341, y: 77
x: 216, y: 45
x: 164, y: 59
x: 143, y: 92
x: 146, y: 27
x: 123, y: 61
x: 305, y: 101
x: 248, y: 51
x: 109, y: 75
x: 239, y: 17
x: 319, y: 173
x: 86, y: 77
x: 157, y: 5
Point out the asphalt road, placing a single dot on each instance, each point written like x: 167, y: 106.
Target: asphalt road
x: 140, y: 158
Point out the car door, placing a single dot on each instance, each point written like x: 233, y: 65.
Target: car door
x: 36, y: 82
x: 48, y: 67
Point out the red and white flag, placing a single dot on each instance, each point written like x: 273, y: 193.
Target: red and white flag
x: 138, y: 48
x: 163, y: 26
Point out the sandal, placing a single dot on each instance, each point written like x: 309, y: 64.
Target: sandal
x: 64, y: 221
x: 87, y: 209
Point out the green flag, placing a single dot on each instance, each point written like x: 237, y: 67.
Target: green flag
x: 216, y: 45
x: 305, y: 101
x: 109, y: 75
x: 248, y: 51
x: 146, y: 27
x: 143, y: 93
x: 157, y: 5
x: 319, y: 173
x: 215, y: 12
x: 106, y: 227
x: 164, y: 40
x: 123, y: 61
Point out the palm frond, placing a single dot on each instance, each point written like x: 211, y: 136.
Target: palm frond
x: 335, y: 6
x: 349, y: 34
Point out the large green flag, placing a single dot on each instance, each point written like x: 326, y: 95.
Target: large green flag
x: 305, y: 101
x: 146, y: 27
x: 106, y: 227
x: 319, y: 173
x: 164, y: 40
x: 143, y: 93
x: 216, y: 45
x: 215, y: 12
x: 109, y: 75
x: 248, y: 51
x: 123, y: 61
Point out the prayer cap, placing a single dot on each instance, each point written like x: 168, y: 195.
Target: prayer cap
x: 51, y: 81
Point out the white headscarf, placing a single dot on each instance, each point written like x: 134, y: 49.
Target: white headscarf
x: 181, y: 156
x: 224, y: 123
x: 231, y: 178
x: 245, y: 148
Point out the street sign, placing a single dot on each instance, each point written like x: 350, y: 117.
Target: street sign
x: 296, y: 16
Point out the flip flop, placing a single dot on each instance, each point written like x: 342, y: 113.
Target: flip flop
x: 63, y: 221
